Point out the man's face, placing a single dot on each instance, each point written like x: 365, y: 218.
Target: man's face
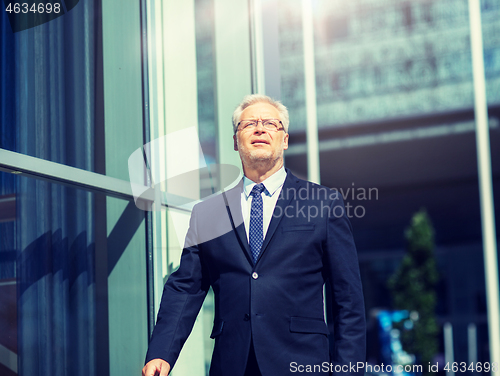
x: 260, y: 145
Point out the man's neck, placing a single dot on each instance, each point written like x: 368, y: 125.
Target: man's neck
x: 259, y: 173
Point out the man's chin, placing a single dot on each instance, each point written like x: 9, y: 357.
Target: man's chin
x: 261, y: 157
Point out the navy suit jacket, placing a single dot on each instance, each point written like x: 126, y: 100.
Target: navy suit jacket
x: 277, y: 302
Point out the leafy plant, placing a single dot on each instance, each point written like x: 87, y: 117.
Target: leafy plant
x: 413, y: 289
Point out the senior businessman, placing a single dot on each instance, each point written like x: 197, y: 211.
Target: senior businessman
x: 266, y: 247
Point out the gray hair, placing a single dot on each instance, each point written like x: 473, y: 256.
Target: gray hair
x: 260, y: 98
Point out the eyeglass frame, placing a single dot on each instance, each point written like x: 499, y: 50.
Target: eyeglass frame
x: 257, y: 121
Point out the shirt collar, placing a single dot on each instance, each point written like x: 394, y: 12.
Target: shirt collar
x: 272, y: 183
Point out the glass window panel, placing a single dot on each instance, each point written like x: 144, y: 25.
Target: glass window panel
x: 72, y: 290
x: 292, y: 62
x: 47, y: 278
x: 182, y: 64
x: 48, y: 88
x: 52, y: 95
x: 204, y: 22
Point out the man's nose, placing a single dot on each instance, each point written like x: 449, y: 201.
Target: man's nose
x: 260, y: 127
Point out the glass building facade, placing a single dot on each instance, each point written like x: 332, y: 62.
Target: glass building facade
x: 82, y: 265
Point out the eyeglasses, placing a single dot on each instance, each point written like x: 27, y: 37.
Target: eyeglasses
x: 268, y: 124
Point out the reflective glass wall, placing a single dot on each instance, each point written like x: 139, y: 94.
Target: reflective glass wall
x: 72, y: 252
x: 195, y: 82
x: 48, y: 280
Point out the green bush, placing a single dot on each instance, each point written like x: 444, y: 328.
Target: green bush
x: 413, y: 289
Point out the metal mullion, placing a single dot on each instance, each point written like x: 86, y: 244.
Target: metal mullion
x: 58, y: 173
x: 53, y: 172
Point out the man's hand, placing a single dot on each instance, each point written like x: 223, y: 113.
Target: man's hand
x: 156, y: 367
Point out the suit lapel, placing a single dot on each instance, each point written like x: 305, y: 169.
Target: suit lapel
x: 233, y: 204
x: 290, y: 185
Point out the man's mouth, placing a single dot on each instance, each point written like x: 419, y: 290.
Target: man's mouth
x: 260, y: 142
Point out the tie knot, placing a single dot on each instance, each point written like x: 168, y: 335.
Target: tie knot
x: 258, y: 189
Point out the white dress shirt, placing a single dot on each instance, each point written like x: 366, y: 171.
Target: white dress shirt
x: 273, y: 185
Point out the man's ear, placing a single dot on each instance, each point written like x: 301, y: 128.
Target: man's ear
x: 285, y: 141
x: 235, y: 143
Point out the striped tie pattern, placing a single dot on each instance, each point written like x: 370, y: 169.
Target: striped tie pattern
x: 256, y: 231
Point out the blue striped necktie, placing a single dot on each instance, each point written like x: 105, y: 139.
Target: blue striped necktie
x: 256, y: 232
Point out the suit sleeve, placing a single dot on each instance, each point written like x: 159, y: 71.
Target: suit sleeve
x: 345, y: 281
x: 183, y: 296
